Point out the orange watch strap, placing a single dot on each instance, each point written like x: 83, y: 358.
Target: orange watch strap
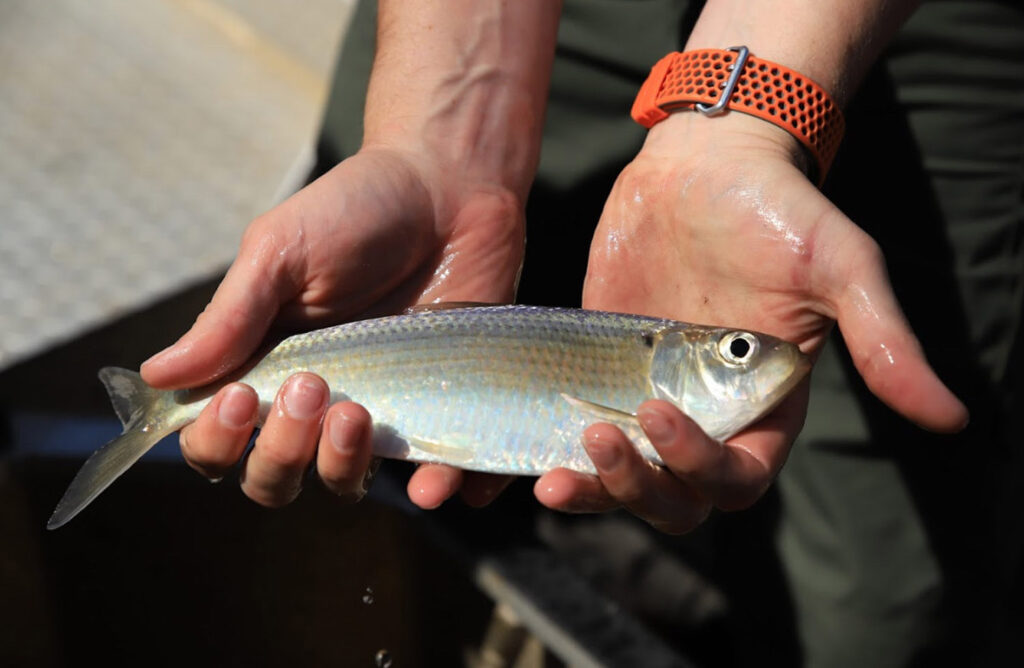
x: 707, y: 80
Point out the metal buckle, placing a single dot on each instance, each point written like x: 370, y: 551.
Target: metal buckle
x: 730, y: 84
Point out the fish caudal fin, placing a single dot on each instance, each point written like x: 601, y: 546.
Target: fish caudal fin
x: 145, y: 414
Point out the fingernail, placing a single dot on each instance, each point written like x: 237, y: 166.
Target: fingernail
x: 604, y: 455
x: 303, y: 398
x: 657, y: 426
x: 343, y: 433
x: 233, y: 410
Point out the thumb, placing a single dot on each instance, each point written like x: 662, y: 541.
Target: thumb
x: 885, y: 351
x: 228, y: 331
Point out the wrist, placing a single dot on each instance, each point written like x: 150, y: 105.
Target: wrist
x: 714, y: 81
x: 692, y: 136
x: 494, y: 144
x: 439, y: 188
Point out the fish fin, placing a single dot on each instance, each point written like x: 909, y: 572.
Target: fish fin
x: 128, y: 393
x: 143, y: 415
x: 452, y: 454
x: 446, y: 306
x: 599, y: 412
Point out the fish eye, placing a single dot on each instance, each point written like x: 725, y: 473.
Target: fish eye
x: 737, y: 347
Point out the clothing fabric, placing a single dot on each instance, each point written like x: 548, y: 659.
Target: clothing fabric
x: 881, y: 545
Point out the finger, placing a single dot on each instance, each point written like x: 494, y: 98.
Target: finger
x: 884, y: 349
x: 648, y: 491
x: 621, y: 469
x: 731, y: 476
x: 345, y: 449
x: 216, y: 440
x: 573, y: 492
x: 273, y: 472
x: 433, y: 484
x: 479, y: 489
x: 234, y: 323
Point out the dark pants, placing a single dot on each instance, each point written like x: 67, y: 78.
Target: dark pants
x: 881, y: 545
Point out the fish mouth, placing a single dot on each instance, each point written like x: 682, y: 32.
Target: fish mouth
x: 800, y: 367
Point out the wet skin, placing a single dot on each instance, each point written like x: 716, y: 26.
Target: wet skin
x: 713, y: 222
x: 645, y: 258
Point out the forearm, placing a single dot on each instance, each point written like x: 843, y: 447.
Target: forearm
x: 833, y: 42
x: 464, y: 82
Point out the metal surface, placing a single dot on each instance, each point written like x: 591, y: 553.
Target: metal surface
x: 137, y: 139
x: 575, y: 622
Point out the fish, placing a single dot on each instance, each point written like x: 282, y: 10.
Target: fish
x: 501, y: 389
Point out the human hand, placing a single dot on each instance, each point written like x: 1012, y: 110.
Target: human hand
x: 382, y: 231
x: 714, y: 222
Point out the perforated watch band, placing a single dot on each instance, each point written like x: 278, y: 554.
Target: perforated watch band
x: 713, y: 80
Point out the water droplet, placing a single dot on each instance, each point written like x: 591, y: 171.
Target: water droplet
x: 368, y: 596
x: 382, y: 659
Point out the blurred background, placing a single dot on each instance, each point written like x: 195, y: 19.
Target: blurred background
x: 137, y: 140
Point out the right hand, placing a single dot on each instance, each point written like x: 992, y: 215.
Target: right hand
x: 382, y: 231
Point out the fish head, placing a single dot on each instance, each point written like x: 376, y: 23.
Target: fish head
x: 724, y: 379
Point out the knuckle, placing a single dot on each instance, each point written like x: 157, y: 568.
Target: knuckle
x: 277, y: 496
x: 684, y: 522
x: 869, y: 250
x: 740, y: 497
x: 183, y: 442
x: 630, y: 495
x: 256, y: 233
x: 270, y: 489
x: 348, y: 490
x: 672, y: 527
x: 283, y: 456
x: 862, y: 255
x: 340, y: 482
x: 192, y: 450
x: 204, y: 452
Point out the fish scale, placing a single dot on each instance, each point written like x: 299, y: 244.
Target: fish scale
x: 430, y: 401
x: 504, y: 389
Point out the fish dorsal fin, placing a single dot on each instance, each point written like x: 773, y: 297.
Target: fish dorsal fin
x: 449, y: 454
x: 129, y: 394
x: 599, y: 412
x: 445, y: 306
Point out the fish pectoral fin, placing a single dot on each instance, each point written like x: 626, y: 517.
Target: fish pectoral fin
x: 445, y: 306
x: 598, y: 412
x: 451, y: 454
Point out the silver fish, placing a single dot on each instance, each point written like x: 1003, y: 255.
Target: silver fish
x: 504, y: 389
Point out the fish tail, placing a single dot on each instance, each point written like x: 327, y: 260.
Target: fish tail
x: 147, y: 416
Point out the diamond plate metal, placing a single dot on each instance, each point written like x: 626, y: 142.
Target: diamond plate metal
x: 137, y: 139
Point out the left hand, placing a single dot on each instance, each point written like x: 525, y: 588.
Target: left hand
x: 714, y: 222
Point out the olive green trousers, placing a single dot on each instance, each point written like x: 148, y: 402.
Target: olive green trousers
x: 881, y: 545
